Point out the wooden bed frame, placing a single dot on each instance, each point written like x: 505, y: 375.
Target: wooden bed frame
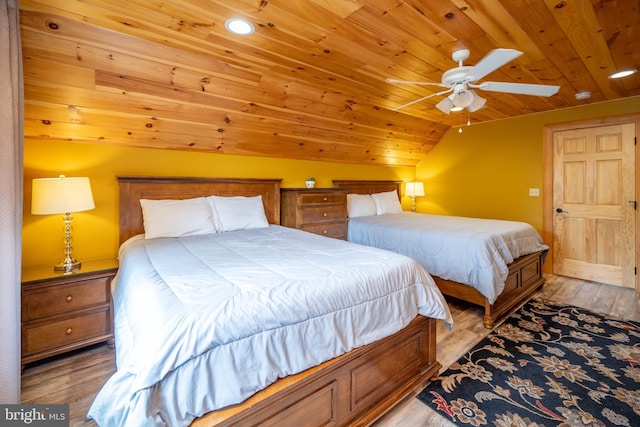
x: 353, y: 389
x: 525, y: 273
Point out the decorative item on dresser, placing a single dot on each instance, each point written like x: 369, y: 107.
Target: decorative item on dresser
x: 63, y: 312
x: 310, y: 182
x: 319, y: 210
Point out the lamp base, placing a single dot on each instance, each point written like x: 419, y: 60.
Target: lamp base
x: 68, y: 266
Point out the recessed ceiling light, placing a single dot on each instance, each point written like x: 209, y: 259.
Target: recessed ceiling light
x: 583, y: 95
x: 623, y: 73
x: 239, y: 26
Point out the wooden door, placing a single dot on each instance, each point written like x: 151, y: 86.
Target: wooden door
x: 594, y: 204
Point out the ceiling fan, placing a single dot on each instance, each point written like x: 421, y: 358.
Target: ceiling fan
x: 461, y: 81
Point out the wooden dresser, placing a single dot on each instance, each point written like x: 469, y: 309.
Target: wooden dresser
x: 65, y: 312
x: 317, y: 210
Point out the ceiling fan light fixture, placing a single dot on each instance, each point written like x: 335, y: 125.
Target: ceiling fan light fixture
x: 462, y: 97
x: 453, y: 109
x: 477, y: 103
x: 623, y: 73
x: 446, y: 105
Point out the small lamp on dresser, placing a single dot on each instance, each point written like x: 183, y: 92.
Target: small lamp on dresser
x: 62, y: 195
x: 413, y: 190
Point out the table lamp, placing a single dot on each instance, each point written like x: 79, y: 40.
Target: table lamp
x: 62, y: 195
x: 414, y: 189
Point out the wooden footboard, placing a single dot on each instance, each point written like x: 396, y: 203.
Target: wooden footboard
x: 524, y: 279
x: 354, y: 389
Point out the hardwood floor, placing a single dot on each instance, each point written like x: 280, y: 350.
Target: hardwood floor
x: 75, y: 378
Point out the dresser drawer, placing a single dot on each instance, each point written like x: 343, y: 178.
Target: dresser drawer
x: 313, y: 198
x: 337, y: 230
x: 322, y: 213
x: 40, y: 337
x: 50, y: 300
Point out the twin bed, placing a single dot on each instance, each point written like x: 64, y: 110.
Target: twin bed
x: 491, y: 263
x: 223, y: 317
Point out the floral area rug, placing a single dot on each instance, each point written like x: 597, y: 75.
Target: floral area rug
x: 548, y: 364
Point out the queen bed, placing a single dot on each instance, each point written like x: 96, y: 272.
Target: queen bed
x: 223, y: 317
x: 492, y: 263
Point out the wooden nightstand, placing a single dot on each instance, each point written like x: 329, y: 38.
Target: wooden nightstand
x: 65, y: 312
x: 318, y: 210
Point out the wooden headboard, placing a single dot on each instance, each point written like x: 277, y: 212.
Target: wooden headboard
x: 134, y: 188
x: 368, y: 187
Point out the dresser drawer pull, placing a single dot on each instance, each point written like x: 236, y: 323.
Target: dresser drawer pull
x: 324, y: 214
x: 69, y: 298
x: 324, y: 231
x: 325, y: 199
x: 68, y: 331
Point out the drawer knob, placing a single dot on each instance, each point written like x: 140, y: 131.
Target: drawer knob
x: 68, y: 331
x: 324, y: 231
x: 324, y: 214
x: 69, y: 298
x: 325, y: 199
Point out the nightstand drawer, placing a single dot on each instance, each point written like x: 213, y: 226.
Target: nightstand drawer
x: 322, y: 213
x: 313, y: 198
x: 50, y: 300
x: 337, y: 230
x: 63, y: 332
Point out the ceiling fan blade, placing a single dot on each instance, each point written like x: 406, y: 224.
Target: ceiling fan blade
x: 421, y: 99
x: 409, y: 82
x: 491, y: 62
x: 520, y: 88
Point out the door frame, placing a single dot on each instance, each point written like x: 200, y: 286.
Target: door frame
x: 547, y: 178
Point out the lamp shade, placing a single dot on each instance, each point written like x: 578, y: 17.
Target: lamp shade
x: 61, y: 195
x: 445, y: 105
x: 414, y: 189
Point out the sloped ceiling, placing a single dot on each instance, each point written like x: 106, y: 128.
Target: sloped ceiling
x: 310, y: 83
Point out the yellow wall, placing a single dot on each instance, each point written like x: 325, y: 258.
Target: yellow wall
x: 95, y: 232
x: 486, y: 171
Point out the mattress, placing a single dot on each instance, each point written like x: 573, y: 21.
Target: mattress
x: 204, y: 322
x: 472, y: 251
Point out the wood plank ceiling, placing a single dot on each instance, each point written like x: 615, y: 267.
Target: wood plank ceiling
x: 310, y: 83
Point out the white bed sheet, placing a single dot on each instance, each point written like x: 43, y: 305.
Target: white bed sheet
x: 472, y: 251
x: 203, y: 322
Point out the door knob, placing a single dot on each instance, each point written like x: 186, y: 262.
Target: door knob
x: 559, y: 210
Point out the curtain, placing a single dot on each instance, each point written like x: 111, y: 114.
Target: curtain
x: 11, y: 177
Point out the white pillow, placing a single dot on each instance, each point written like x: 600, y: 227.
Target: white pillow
x: 177, y: 218
x: 238, y: 212
x: 387, y: 202
x: 360, y: 205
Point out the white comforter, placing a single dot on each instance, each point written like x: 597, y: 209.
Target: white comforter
x: 204, y: 322
x: 472, y: 251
